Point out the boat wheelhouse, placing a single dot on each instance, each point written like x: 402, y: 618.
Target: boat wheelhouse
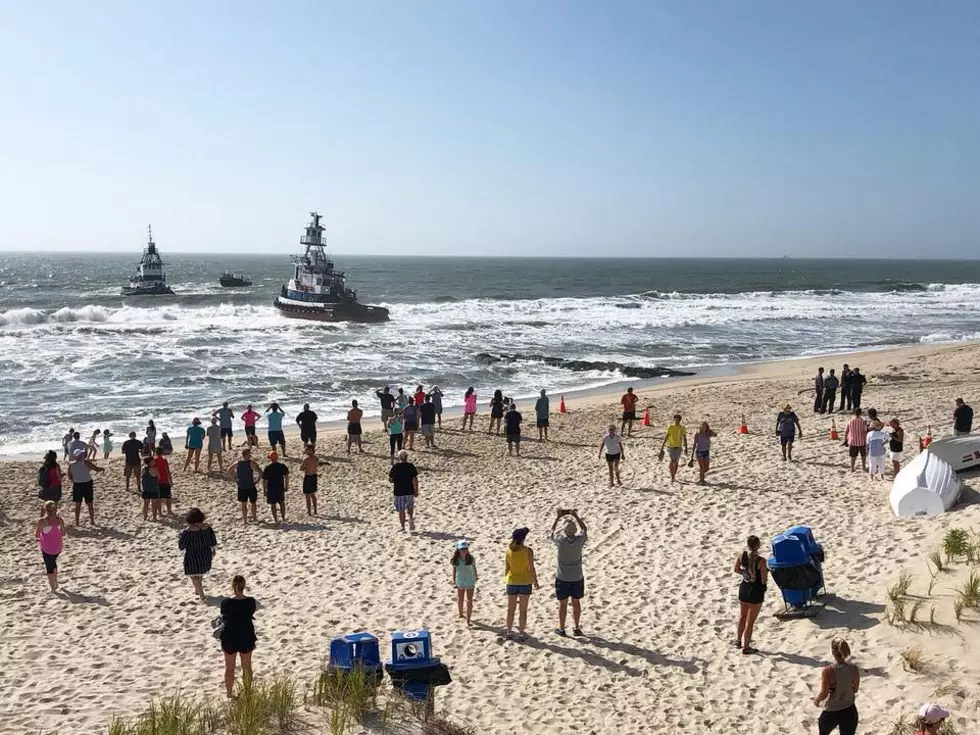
x: 150, y: 278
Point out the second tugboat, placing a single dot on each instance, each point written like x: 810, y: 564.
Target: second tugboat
x: 317, y: 291
x: 234, y: 280
x: 150, y: 279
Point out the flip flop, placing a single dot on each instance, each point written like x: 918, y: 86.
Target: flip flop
x: 561, y: 632
x: 578, y: 632
x: 748, y: 651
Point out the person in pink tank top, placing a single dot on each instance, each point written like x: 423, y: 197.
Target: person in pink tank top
x: 49, y: 532
x: 469, y: 408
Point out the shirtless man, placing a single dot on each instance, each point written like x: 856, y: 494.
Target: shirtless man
x: 309, y: 467
x: 354, y: 426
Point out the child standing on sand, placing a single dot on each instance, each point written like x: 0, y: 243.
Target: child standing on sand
x: 464, y: 578
x: 469, y: 408
x: 106, y: 444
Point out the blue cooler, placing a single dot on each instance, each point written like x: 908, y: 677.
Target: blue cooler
x: 414, y: 671
x: 794, y: 569
x: 356, y: 650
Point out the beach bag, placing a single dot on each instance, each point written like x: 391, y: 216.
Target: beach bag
x: 218, y: 627
x: 43, y: 482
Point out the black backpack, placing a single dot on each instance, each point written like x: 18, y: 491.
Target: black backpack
x: 44, y: 478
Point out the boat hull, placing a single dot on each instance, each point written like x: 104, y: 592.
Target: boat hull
x: 332, y: 312
x: 153, y: 291
x: 234, y: 283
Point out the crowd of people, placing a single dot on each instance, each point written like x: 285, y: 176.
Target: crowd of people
x: 146, y: 464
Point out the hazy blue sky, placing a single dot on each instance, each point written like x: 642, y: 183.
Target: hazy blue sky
x: 731, y: 127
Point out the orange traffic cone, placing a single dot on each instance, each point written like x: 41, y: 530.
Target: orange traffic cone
x: 744, y: 428
x: 928, y: 440
x: 646, y: 416
x: 833, y: 430
x: 561, y: 405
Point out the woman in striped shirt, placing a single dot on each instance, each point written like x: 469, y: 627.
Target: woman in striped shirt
x: 198, y: 543
x: 856, y: 436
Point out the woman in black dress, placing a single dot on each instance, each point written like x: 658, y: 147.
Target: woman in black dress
x: 751, y: 591
x: 238, y: 634
x: 496, y: 412
x: 198, y: 543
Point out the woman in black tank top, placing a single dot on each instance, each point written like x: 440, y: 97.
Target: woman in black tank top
x: 896, y: 444
x: 751, y: 592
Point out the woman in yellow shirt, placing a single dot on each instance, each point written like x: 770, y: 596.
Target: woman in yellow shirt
x: 520, y: 576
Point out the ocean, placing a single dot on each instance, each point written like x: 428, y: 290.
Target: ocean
x: 73, y: 352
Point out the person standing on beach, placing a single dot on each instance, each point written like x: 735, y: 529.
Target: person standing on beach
x: 845, y: 387
x: 612, y: 446
x: 496, y: 412
x: 395, y: 435
x: 354, y: 417
x: 404, y: 478
x: 50, y: 532
x: 216, y: 445
x: 75, y: 444
x: 751, y: 592
x: 83, y: 488
x: 830, y: 384
x: 225, y: 416
x: 569, y: 578
x: 542, y: 408
x: 858, y: 382
x: 787, y: 426
x: 856, y: 438
x: 410, y: 421
x: 275, y: 482
x: 245, y: 471
x: 962, y: 419
x: 66, y: 442
x: 238, y: 634
x: 249, y: 418
x: 307, y: 425
x: 628, y: 400
x: 702, y: 450
x: 469, y: 407
x: 310, y: 466
x: 150, y: 440
x: 674, y: 439
x: 92, y: 448
x: 519, y: 575
x: 436, y: 395
x: 198, y: 543
x: 387, y: 405
x: 877, y: 441
x: 164, y: 479
x: 401, y: 399
x: 464, y: 578
x: 512, y: 429
x: 277, y: 437
x: 818, y: 389
x: 839, y: 683
x: 194, y: 443
x: 427, y: 421
x: 132, y: 450
x: 49, y: 478
x: 896, y: 444
x: 150, y: 489
x: 106, y: 444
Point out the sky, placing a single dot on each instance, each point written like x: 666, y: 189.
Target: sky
x: 545, y: 128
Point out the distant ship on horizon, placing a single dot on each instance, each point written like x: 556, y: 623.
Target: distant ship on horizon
x: 150, y: 278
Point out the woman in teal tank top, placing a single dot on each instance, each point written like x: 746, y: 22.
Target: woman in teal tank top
x: 464, y: 578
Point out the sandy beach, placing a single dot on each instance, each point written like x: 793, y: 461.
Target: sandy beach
x: 661, y: 606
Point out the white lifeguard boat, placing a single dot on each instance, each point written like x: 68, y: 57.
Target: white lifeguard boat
x: 150, y: 278
x: 930, y: 483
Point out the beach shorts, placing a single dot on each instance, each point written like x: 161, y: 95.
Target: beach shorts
x: 674, y: 453
x: 895, y: 456
x: 150, y: 494
x: 513, y: 438
x: 753, y: 594
x: 309, y: 484
x: 629, y: 415
x: 275, y: 496
x: 564, y: 590
x: 165, y: 492
x: 226, y: 433
x: 518, y: 589
x: 247, y: 494
x: 50, y: 562
x: 250, y: 430
x: 307, y: 435
x: 610, y: 458
x: 82, y: 492
x: 387, y: 413
x: 50, y: 493
x: 411, y: 426
x: 277, y: 438
x: 353, y: 429
x: 876, y: 465
x: 542, y: 423
x: 428, y: 430
x: 855, y: 451
x: 786, y: 440
x: 703, y: 454
x: 132, y: 469
x: 404, y: 502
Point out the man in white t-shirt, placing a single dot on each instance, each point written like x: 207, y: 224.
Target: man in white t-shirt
x: 877, y: 449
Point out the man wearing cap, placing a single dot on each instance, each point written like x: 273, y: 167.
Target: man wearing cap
x: 225, y: 415
x: 931, y: 718
x: 275, y: 482
x: 194, y: 443
x: 245, y: 471
x: 628, y: 400
x: 80, y: 471
x: 387, y: 405
x: 404, y: 478
x: 132, y: 450
x: 787, y: 426
x: 541, y: 409
x: 569, y: 578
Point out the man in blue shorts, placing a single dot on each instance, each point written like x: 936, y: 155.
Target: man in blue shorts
x: 569, y: 578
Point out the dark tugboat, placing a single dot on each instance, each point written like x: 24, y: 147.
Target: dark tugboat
x: 317, y: 291
x: 234, y: 280
x: 150, y: 279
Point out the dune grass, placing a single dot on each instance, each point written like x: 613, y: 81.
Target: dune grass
x: 956, y: 543
x: 914, y: 659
